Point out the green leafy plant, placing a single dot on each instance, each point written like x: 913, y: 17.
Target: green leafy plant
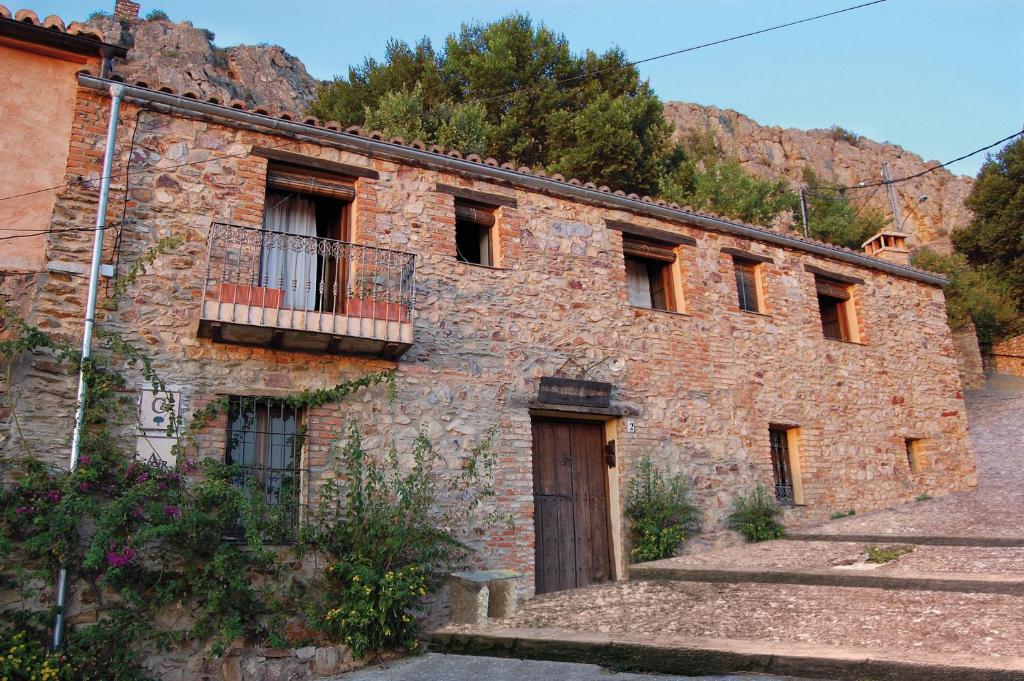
x: 388, y: 539
x: 755, y: 516
x: 157, y: 15
x: 660, y: 512
x: 885, y: 554
x: 839, y: 133
x: 842, y: 514
x: 923, y: 497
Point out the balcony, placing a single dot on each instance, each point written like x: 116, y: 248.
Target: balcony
x: 306, y: 293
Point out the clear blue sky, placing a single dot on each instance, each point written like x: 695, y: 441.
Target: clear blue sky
x: 939, y: 77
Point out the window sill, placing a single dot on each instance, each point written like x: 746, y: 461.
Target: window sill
x: 845, y: 342
x: 482, y: 267
x: 654, y: 309
x: 756, y: 314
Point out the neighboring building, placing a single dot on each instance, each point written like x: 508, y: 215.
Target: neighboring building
x: 585, y: 328
x: 37, y: 102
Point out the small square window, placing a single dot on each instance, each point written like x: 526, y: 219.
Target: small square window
x: 836, y: 309
x: 474, y: 227
x: 746, y: 285
x: 650, y: 279
x: 915, y: 455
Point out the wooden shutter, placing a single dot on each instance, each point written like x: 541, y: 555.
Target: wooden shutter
x: 648, y: 250
x: 474, y: 214
x: 297, y: 182
x: 832, y: 289
x: 746, y: 285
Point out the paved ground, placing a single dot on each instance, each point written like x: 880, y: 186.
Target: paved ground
x: 996, y: 507
x: 813, y: 555
x: 433, y: 667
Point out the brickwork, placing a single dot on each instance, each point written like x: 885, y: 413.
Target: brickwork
x: 704, y: 384
x: 1008, y: 356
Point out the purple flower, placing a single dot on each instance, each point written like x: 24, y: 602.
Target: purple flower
x: 163, y: 485
x: 191, y: 465
x: 138, y: 514
x: 83, y: 487
x: 84, y: 460
x: 21, y: 510
x: 172, y: 511
x: 53, y: 496
x: 143, y: 476
x: 120, y: 559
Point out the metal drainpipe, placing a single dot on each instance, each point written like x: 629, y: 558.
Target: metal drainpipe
x: 117, y: 94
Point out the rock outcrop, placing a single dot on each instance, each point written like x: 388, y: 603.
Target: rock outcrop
x: 783, y: 153
x: 185, y: 58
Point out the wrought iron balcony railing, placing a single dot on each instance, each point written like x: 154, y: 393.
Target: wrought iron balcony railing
x: 306, y: 293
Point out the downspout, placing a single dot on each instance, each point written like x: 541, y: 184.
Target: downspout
x: 117, y: 92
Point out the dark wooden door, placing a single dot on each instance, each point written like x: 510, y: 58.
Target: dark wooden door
x: 573, y: 546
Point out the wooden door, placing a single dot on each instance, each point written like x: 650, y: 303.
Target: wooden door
x: 573, y: 544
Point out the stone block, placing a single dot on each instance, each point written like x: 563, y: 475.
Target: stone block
x: 330, y: 660
x: 467, y: 601
x: 503, y: 599
x: 305, y: 653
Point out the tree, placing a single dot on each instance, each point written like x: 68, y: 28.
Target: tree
x: 513, y: 90
x: 994, y: 241
x: 974, y: 295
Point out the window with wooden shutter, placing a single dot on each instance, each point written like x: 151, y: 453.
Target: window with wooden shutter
x: 474, y: 227
x: 649, y: 274
x: 835, y: 307
x: 746, y: 285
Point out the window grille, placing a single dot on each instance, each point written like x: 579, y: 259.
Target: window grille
x: 781, y: 467
x: 264, y: 442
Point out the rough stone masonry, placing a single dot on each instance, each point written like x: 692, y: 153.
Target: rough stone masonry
x: 698, y: 387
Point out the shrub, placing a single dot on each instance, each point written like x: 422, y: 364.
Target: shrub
x: 387, y: 535
x: 839, y: 133
x: 157, y: 15
x: 923, y: 497
x: 755, y: 516
x: 842, y: 514
x: 660, y: 512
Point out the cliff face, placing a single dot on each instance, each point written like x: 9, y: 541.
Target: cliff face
x: 185, y: 58
x: 783, y: 153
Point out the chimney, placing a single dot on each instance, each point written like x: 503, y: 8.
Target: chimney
x: 889, y: 246
x: 126, y: 9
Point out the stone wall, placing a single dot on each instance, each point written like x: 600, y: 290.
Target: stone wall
x: 704, y: 384
x: 968, y: 357
x: 1008, y: 356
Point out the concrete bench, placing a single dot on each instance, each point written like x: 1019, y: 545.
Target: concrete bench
x: 475, y: 596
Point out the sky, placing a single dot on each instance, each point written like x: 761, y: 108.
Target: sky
x: 938, y: 77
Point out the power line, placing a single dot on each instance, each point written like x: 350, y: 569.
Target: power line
x: 508, y: 93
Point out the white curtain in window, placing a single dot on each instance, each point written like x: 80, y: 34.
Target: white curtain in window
x: 638, y: 283
x: 290, y: 264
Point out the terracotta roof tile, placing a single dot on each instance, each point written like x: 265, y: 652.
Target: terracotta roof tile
x: 52, y: 22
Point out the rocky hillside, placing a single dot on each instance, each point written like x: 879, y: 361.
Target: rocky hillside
x: 783, y: 153
x: 186, y: 58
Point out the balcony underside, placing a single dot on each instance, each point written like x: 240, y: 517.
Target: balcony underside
x: 304, y: 330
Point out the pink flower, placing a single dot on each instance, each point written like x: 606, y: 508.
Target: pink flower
x: 172, y: 511
x: 84, y: 460
x: 21, y: 510
x: 143, y: 476
x: 83, y: 487
x: 53, y: 495
x: 120, y: 559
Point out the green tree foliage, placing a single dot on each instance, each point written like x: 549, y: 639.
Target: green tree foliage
x: 994, y: 241
x: 607, y: 127
x: 975, y: 295
x: 833, y: 218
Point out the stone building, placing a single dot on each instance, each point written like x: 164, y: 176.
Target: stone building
x: 583, y: 327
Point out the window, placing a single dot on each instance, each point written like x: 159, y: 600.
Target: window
x: 835, y: 307
x: 746, y: 284
x: 474, y: 227
x: 264, y: 439
x: 915, y: 457
x: 304, y: 213
x: 649, y: 274
x: 785, y: 465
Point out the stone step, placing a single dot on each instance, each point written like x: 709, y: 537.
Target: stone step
x: 922, y: 539
x: 970, y: 582
x: 696, y: 656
